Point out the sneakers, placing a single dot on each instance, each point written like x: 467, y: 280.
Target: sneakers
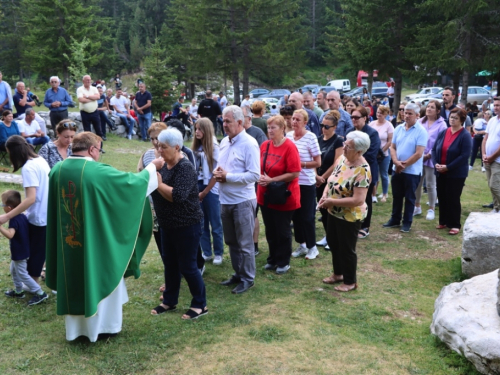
x: 322, y: 242
x: 207, y: 257
x: 327, y: 248
x: 270, y: 267
x: 129, y: 137
x: 374, y: 199
x: 282, y: 270
x: 301, y: 250
x: 405, y: 228
x: 391, y: 224
x: 217, y: 260
x: 37, y: 298
x: 380, y: 196
x: 483, y: 169
x: 312, y: 253
x: 417, y: 211
x: 430, y: 215
x: 133, y: 132
x: 470, y: 168
x: 14, y: 294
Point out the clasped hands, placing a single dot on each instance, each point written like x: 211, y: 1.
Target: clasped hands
x: 264, y: 180
x: 220, y: 174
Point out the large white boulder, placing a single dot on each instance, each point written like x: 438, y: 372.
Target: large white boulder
x: 466, y: 319
x: 481, y: 244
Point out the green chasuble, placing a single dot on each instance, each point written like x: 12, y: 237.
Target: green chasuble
x: 99, y: 225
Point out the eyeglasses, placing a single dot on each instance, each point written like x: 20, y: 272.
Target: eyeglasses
x: 327, y: 127
x: 355, y: 118
x: 54, y: 81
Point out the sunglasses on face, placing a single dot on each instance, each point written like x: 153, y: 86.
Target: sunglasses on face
x: 327, y: 127
x: 355, y: 118
x: 401, y: 109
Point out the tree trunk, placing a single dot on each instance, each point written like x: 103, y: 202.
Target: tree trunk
x: 465, y: 78
x: 234, y: 59
x: 66, y: 77
x: 456, y: 84
x: 313, y: 24
x: 192, y: 92
x: 398, y: 88
x: 370, y: 80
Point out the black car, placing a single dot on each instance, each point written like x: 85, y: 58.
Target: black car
x: 278, y: 94
x: 379, y: 92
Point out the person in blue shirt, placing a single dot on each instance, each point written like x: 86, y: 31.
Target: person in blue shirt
x: 6, y: 101
x: 177, y: 107
x: 8, y: 127
x: 57, y: 101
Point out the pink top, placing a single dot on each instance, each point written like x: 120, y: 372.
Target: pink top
x: 383, y: 132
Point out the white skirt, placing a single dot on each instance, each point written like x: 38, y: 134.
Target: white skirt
x: 108, y: 318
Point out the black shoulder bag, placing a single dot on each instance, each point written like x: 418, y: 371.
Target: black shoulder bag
x: 277, y: 192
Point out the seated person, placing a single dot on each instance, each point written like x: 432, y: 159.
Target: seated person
x: 8, y: 127
x: 24, y: 99
x: 30, y: 129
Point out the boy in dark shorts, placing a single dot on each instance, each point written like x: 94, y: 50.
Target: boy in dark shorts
x: 17, y: 233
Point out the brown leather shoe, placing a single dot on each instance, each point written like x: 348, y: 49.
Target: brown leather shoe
x: 333, y: 279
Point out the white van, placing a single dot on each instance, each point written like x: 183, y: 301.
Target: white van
x: 342, y: 85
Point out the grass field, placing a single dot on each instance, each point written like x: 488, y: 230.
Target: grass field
x: 289, y: 324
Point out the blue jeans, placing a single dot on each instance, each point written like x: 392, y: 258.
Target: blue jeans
x: 144, y: 124
x: 127, y: 121
x: 211, y: 211
x: 383, y: 167
x: 403, y: 188
x: 180, y: 251
x: 38, y: 141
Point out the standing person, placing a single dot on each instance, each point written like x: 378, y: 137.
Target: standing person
x: 57, y: 100
x: 345, y: 123
x: 206, y: 152
x: 260, y: 137
x: 222, y: 100
x: 491, y: 154
x: 245, y: 103
x: 390, y: 94
x: 287, y: 113
x: 479, y: 130
x: 237, y: 172
x: 35, y: 173
x: 209, y: 108
x: 407, y: 149
x: 60, y: 149
x: 193, y: 111
x: 142, y: 105
x: 331, y: 146
x: 30, y: 129
x: 360, y: 119
x: 280, y: 162
x: 86, y: 261
x: 385, y: 132
x: 304, y: 218
x: 6, y: 100
x: 450, y: 154
x: 179, y: 217
x: 8, y: 127
x: 297, y: 99
x: 117, y: 81
x: 308, y: 99
x: 351, y: 105
x: 103, y: 108
x: 322, y: 103
x: 88, y: 96
x: 345, y: 198
x: 122, y: 110
x: 448, y: 104
x: 258, y: 110
x: 434, y: 124
x: 18, y: 235
x: 283, y: 101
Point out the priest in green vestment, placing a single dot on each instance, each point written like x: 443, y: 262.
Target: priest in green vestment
x: 99, y: 225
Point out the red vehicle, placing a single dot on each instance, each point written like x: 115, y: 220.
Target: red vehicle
x: 363, y: 78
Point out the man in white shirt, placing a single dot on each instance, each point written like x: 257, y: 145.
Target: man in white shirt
x: 237, y: 173
x: 122, y: 109
x: 491, y: 154
x: 88, y: 96
x: 245, y: 103
x: 390, y: 94
x: 30, y: 129
x: 222, y: 100
x: 193, y: 110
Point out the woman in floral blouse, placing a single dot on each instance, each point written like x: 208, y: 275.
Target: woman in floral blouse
x: 344, y: 197
x: 60, y: 149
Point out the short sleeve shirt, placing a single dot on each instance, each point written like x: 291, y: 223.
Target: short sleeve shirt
x: 142, y: 99
x: 493, y: 141
x: 341, y: 185
x: 36, y: 174
x: 19, y: 108
x: 119, y: 103
x: 19, y: 244
x: 406, y: 142
x: 308, y: 149
x: 28, y: 129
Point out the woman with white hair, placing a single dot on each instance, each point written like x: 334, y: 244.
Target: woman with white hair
x: 179, y: 216
x: 344, y: 197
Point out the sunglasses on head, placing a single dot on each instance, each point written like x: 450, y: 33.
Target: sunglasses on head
x: 327, y: 127
x: 69, y: 125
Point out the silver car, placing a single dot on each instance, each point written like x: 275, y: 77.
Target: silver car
x: 475, y: 94
x: 422, y: 93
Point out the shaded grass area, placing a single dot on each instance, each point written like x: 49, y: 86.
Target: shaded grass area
x: 288, y: 324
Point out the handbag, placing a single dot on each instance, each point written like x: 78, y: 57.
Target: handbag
x: 277, y: 192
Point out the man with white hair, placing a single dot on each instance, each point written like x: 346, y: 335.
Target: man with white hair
x: 88, y: 96
x: 57, y: 101
x: 345, y: 123
x: 407, y: 150
x: 237, y: 172
x: 297, y: 99
x: 22, y: 102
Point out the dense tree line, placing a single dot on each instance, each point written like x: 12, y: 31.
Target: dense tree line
x: 244, y: 40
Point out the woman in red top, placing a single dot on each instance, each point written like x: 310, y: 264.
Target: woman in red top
x: 450, y: 156
x: 282, y: 163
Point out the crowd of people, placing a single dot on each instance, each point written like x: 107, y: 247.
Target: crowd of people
x: 327, y: 158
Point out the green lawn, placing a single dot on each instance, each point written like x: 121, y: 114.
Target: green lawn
x: 289, y: 324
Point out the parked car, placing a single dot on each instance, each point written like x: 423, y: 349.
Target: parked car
x: 341, y: 85
x: 358, y: 91
x: 475, y: 94
x: 309, y: 88
x: 269, y: 102
x: 278, y: 93
x: 326, y: 89
x: 379, y: 92
x: 425, y: 100
x: 423, y: 92
x: 258, y: 92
